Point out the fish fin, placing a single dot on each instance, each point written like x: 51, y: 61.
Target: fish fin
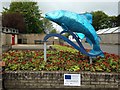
x: 102, y: 55
x: 96, y: 50
x: 89, y: 41
x: 81, y: 35
x: 99, y: 39
x: 88, y: 17
x: 65, y: 28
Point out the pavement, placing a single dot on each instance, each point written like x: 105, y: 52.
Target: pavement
x: 29, y: 46
x: 113, y: 49
x: 110, y: 48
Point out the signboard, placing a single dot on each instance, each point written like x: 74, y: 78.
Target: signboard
x: 72, y: 79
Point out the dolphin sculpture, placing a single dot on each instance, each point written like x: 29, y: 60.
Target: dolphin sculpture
x: 79, y: 24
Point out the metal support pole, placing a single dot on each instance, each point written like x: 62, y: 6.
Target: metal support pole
x: 90, y: 60
x: 45, y: 58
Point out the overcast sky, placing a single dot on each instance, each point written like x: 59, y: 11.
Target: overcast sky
x: 110, y: 7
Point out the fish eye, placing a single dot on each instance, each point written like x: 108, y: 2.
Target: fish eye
x: 54, y: 13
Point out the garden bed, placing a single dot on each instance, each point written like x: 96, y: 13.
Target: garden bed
x: 26, y: 69
x: 61, y: 58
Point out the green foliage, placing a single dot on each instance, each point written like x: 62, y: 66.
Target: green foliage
x: 31, y: 14
x: 53, y: 31
x: 66, y: 35
x: 112, y: 21
x: 13, y: 20
x: 47, y: 25
x: 102, y: 20
x: 118, y: 20
x: 63, y: 59
x: 63, y: 48
x: 97, y: 17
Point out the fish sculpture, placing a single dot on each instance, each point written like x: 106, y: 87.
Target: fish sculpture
x: 79, y: 24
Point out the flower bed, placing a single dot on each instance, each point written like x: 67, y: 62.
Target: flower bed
x: 62, y: 59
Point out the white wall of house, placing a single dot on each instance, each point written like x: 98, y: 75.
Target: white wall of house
x: 71, y: 38
x: 16, y: 39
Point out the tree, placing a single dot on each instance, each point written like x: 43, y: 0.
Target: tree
x: 98, y: 19
x: 118, y: 20
x: 66, y: 35
x: 47, y: 25
x: 102, y: 20
x: 13, y: 20
x: 108, y: 22
x: 112, y: 21
x: 53, y: 31
x: 31, y: 14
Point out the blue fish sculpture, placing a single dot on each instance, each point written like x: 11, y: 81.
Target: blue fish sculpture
x: 79, y: 24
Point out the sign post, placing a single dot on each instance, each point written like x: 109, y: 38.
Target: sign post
x: 90, y: 60
x: 45, y: 47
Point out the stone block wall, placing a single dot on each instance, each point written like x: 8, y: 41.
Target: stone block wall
x: 3, y: 39
x: 112, y: 38
x: 30, y: 38
x: 0, y: 52
x: 37, y: 80
x: 6, y: 39
x: 0, y: 43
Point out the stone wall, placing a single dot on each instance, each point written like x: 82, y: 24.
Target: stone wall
x: 112, y: 38
x: 0, y: 52
x: 3, y: 39
x: 30, y: 38
x: 0, y: 36
x: 0, y: 44
x: 35, y: 80
x: 0, y: 19
x: 6, y: 39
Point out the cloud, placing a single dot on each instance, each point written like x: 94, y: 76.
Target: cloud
x: 110, y: 8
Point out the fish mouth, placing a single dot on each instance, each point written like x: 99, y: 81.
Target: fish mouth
x: 46, y: 16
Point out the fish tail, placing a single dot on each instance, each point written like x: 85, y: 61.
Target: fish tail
x: 96, y: 50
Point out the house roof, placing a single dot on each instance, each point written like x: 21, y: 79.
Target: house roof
x: 109, y: 30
